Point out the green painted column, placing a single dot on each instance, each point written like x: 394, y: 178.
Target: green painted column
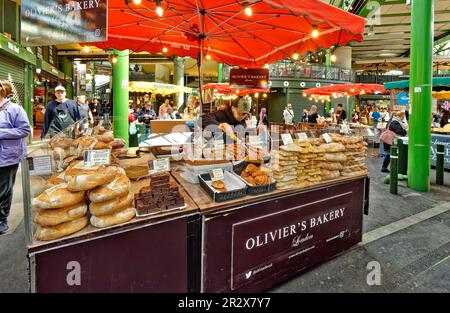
x: 120, y: 95
x: 28, y: 96
x: 419, y: 137
x: 67, y: 68
x: 219, y: 72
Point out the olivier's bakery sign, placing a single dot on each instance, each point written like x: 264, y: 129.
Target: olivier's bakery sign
x: 264, y: 245
x: 52, y: 22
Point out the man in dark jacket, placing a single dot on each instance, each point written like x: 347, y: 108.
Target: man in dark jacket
x: 59, y: 114
x: 341, y: 115
x: 226, y: 120
x: 145, y: 115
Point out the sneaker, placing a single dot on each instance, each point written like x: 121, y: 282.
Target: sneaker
x: 385, y: 170
x: 4, y: 227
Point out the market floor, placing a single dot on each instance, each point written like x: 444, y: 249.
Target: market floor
x: 407, y: 234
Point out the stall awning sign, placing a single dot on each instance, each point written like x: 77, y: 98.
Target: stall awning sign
x: 53, y: 22
x: 249, y: 78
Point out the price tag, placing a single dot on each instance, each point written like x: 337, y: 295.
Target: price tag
x: 41, y: 165
x: 219, y: 144
x: 345, y: 129
x: 159, y: 165
x: 327, y: 138
x: 302, y: 136
x: 217, y: 174
x: 97, y: 157
x: 89, y: 131
x: 287, y: 139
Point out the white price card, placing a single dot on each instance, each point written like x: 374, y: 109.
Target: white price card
x: 345, y: 129
x: 219, y: 143
x: 327, y: 138
x: 160, y: 165
x: 302, y: 136
x: 97, y: 157
x: 217, y: 174
x: 89, y: 131
x: 287, y: 139
x: 41, y: 165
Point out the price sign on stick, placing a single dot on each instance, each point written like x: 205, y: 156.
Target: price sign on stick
x: 327, y: 138
x: 97, y: 157
x: 217, y: 174
x: 302, y: 136
x: 159, y: 165
x: 287, y: 139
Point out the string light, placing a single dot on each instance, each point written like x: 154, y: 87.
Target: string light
x: 265, y: 95
x: 333, y: 58
x: 315, y: 32
x: 208, y: 57
x: 248, y: 11
x: 86, y: 49
x: 165, y: 50
x: 114, y: 59
x: 295, y: 56
x: 266, y: 65
x: 137, y: 2
x: 159, y: 9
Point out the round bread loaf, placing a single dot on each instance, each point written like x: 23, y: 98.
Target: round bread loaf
x: 57, y: 197
x: 83, y: 177
x: 119, y: 187
x: 61, y: 230
x: 59, y: 216
x: 111, y: 206
x: 113, y: 219
x: 55, y: 179
x: 106, y: 138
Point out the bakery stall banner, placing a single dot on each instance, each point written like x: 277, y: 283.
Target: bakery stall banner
x: 249, y: 78
x: 52, y: 22
x: 263, y: 246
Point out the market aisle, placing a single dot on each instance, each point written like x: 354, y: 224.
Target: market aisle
x: 16, y: 214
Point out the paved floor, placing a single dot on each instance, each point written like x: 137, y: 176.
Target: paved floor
x: 407, y: 234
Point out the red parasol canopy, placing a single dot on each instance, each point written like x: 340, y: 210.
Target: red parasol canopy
x: 275, y: 30
x: 346, y: 90
x: 224, y: 88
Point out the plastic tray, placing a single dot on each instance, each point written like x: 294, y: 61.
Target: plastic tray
x: 252, y: 189
x: 236, y: 187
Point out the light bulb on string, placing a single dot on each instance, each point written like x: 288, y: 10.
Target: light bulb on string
x: 165, y: 49
x: 86, y: 49
x: 315, y: 32
x: 295, y: 56
x: 159, y: 9
x: 333, y: 58
x: 248, y: 11
x: 137, y: 2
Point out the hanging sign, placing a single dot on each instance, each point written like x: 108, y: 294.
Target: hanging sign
x: 53, y: 22
x: 249, y: 78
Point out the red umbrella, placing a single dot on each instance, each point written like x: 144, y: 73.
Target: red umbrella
x: 346, y: 90
x: 224, y: 88
x: 248, y: 33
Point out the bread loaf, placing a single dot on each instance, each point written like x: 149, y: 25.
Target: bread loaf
x: 85, y: 177
x: 58, y: 216
x: 118, y: 143
x: 119, y: 187
x: 57, y: 197
x: 61, y: 230
x: 111, y: 206
x: 113, y: 219
x: 106, y: 138
x: 55, y: 179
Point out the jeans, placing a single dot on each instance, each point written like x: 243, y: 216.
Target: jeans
x: 387, y: 158
x: 7, y: 180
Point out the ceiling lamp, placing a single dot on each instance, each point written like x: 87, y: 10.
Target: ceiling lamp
x: 315, y: 32
x: 159, y: 9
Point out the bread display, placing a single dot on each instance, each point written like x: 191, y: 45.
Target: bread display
x: 61, y: 230
x: 85, y: 177
x: 46, y: 217
x: 256, y: 176
x: 160, y: 195
x: 119, y: 187
x: 111, y: 206
x: 57, y: 197
x: 115, y: 218
x: 284, y: 165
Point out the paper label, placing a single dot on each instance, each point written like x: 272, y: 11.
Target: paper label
x: 41, y: 165
x: 97, y: 157
x: 217, y: 174
x: 160, y: 165
x: 287, y: 139
x: 327, y: 138
x: 89, y: 131
x: 302, y: 136
x: 345, y: 129
x: 417, y: 89
x: 219, y: 144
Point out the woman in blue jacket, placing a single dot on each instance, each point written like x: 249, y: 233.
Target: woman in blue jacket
x: 14, y: 128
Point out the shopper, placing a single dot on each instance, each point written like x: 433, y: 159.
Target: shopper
x: 14, y: 128
x: 95, y: 108
x: 375, y: 116
x: 355, y: 117
x: 263, y: 126
x: 145, y: 115
x: 288, y: 115
x: 341, y: 115
x: 436, y: 119
x: 305, y: 116
x: 60, y: 113
x: 395, y: 125
x: 263, y: 119
x: 312, y: 115
x: 106, y: 112
x: 445, y: 117
x: 164, y: 108
x: 85, y: 112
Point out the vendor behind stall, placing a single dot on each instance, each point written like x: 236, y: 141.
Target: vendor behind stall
x: 229, y: 117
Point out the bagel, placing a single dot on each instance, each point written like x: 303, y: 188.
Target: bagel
x: 59, y: 216
x: 113, y: 219
x: 57, y: 197
x: 111, y: 206
x: 119, y: 187
x: 61, y: 230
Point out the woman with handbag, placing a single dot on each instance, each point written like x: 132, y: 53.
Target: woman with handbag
x: 393, y: 129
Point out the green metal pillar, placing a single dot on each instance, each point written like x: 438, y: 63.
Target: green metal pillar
x: 419, y: 141
x: 67, y: 69
x: 28, y: 96
x: 120, y: 95
x: 219, y: 72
